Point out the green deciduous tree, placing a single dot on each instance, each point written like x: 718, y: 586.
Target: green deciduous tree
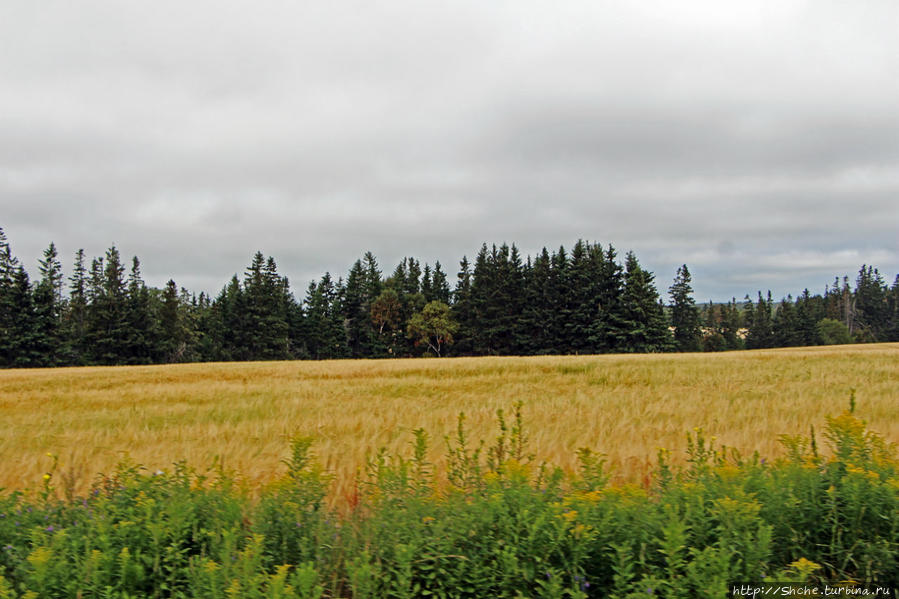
x: 833, y: 332
x: 433, y: 326
x: 385, y: 314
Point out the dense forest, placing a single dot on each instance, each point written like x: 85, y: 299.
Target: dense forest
x: 583, y: 300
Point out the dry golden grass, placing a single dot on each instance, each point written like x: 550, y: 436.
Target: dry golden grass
x: 624, y: 406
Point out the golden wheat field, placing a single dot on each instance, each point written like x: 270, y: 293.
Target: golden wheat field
x: 244, y: 413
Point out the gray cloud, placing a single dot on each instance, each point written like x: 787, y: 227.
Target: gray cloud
x: 757, y: 142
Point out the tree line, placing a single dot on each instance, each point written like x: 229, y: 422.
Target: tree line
x: 583, y: 300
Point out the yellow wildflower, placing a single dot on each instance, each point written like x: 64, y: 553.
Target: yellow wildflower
x: 569, y: 516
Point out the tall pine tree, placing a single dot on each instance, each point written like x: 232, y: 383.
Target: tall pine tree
x: 684, y: 314
x: 645, y: 328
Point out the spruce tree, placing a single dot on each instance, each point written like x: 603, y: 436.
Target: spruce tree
x: 760, y: 326
x: 581, y: 301
x: 482, y: 286
x: 324, y: 320
x: 22, y: 343
x: 427, y: 290
x: 645, y: 328
x: 357, y: 312
x: 107, y: 327
x: 172, y: 344
x: 140, y: 335
x: 223, y: 330
x: 610, y: 329
x: 8, y: 308
x: 462, y: 308
x: 892, y: 333
x: 439, y: 285
x: 279, y: 300
x: 808, y: 313
x: 731, y: 326
x: 263, y: 323
x: 786, y: 326
x: 48, y: 307
x: 537, y: 311
x: 871, y: 305
x: 558, y: 300
x: 75, y: 321
x: 372, y: 287
x: 684, y: 315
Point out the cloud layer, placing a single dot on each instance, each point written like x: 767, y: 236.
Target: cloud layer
x: 758, y: 143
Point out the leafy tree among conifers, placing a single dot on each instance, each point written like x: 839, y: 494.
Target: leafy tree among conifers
x: 577, y: 301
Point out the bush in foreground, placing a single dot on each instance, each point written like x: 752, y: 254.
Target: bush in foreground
x: 495, y: 525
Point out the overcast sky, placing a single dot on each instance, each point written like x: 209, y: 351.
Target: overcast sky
x: 758, y: 142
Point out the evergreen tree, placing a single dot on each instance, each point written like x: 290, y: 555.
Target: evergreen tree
x: 684, y: 315
x: 610, y: 329
x: 505, y: 305
x: 644, y: 328
x: 173, y: 338
x: 760, y: 327
x: 75, y: 322
x: 22, y: 342
x: 463, y: 310
x: 496, y: 296
x: 140, y: 336
x: 324, y: 322
x: 264, y: 320
x: 536, y: 320
x: 582, y: 302
x: 363, y: 335
x: 557, y: 300
x: 277, y: 302
x: 872, y: 307
x: 809, y: 310
x: 107, y: 325
x: 893, y: 301
x: 482, y: 285
x: 8, y: 304
x: 361, y: 291
x: 731, y: 327
x: 426, y: 288
x: 225, y: 327
x: 255, y: 340
x: 786, y: 326
x: 439, y: 285
x: 48, y: 307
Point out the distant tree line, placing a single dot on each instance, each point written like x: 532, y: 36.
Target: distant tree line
x: 585, y: 300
